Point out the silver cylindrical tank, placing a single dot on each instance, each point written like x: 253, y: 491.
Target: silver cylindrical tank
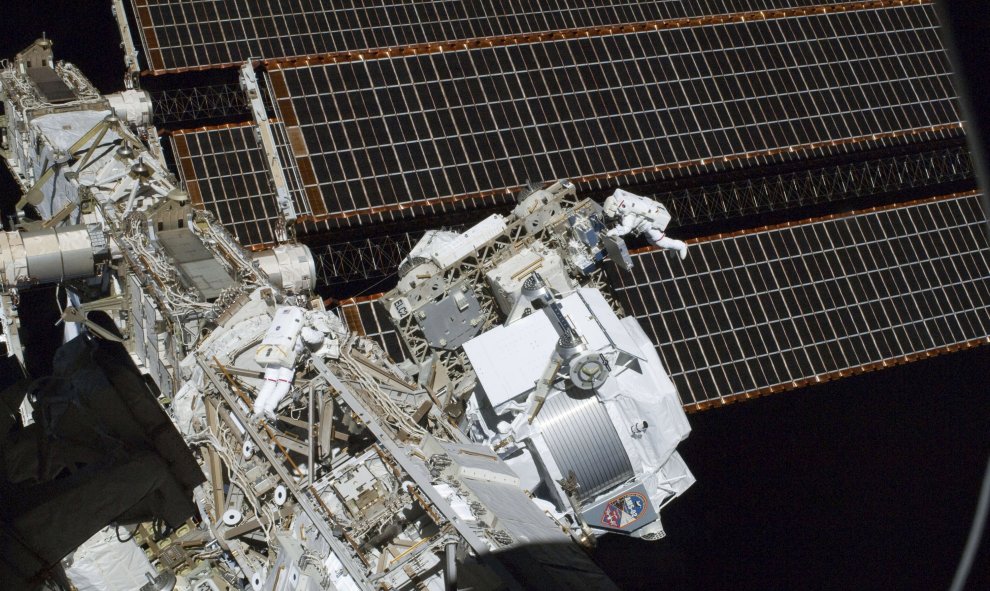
x: 290, y: 267
x: 50, y: 255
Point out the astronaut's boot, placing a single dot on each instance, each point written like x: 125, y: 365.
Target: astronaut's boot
x: 671, y: 244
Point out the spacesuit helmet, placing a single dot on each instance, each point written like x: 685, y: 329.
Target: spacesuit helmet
x: 611, y: 207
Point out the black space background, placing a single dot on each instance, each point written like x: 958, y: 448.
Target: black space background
x: 865, y: 483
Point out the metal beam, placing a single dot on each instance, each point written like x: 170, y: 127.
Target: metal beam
x: 355, y: 570
x: 398, y: 451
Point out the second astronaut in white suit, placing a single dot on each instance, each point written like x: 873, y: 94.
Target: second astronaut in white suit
x: 640, y: 215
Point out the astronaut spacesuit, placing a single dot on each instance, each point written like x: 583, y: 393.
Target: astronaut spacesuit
x: 640, y: 215
x: 293, y: 332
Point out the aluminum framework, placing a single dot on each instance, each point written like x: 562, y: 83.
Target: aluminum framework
x: 362, y: 259
x: 182, y: 105
x: 861, y: 178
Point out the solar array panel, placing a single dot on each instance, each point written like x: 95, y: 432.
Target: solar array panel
x: 932, y: 170
x: 193, y: 34
x: 385, y: 139
x: 365, y: 317
x: 784, y: 307
x: 224, y: 169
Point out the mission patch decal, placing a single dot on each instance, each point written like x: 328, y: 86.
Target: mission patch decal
x: 624, y: 510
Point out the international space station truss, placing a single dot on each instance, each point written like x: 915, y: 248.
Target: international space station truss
x: 367, y: 270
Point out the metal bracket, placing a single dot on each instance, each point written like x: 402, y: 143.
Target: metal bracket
x: 80, y: 315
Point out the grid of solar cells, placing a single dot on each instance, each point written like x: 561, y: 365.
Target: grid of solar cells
x: 785, y: 307
x: 456, y: 129
x: 180, y: 34
x: 366, y: 317
x: 224, y: 169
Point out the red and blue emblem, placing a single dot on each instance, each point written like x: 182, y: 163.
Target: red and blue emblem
x: 624, y: 510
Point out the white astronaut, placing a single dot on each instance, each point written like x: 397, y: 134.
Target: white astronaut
x: 640, y: 215
x: 293, y: 329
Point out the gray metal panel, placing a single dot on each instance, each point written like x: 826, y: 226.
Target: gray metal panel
x: 582, y: 438
x: 618, y: 252
x: 195, y: 262
x: 556, y: 563
x: 51, y: 86
x: 137, y: 318
x: 474, y: 455
x: 452, y: 321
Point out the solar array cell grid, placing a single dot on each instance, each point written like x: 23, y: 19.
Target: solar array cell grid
x: 364, y: 316
x: 383, y: 137
x: 224, y: 169
x: 788, y: 306
x: 181, y: 34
